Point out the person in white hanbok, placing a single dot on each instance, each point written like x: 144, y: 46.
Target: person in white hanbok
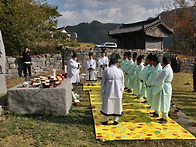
x: 137, y: 82
x: 103, y: 63
x: 129, y: 66
x: 73, y: 69
x: 91, y: 69
x: 163, y: 90
x: 124, y: 65
x: 132, y: 72
x: 112, y: 87
x: 153, y: 99
x: 124, y: 62
x: 144, y: 76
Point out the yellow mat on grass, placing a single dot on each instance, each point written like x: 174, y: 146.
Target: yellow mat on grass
x: 136, y: 122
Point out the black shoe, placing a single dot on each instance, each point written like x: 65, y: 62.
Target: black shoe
x: 88, y: 85
x: 93, y: 85
x: 152, y: 113
x: 105, y: 123
x: 160, y: 119
x: 163, y: 121
x: 115, y: 123
x: 155, y: 115
x: 144, y: 102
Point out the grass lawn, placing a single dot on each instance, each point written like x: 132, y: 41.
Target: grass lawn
x: 77, y: 129
x: 183, y: 95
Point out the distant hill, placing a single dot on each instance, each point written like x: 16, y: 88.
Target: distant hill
x: 97, y: 32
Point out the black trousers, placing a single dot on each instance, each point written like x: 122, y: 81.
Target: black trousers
x: 194, y: 82
x: 27, y: 67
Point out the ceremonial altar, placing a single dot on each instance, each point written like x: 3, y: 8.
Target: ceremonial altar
x: 40, y: 100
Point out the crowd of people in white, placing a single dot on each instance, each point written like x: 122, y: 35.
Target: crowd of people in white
x: 149, y: 80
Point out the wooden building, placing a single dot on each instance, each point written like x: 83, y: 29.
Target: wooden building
x: 147, y: 34
x: 64, y: 31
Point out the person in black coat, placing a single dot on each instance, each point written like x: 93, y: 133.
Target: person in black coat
x: 26, y: 61
x: 194, y: 76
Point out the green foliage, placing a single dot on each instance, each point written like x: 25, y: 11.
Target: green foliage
x: 180, y: 16
x: 29, y: 23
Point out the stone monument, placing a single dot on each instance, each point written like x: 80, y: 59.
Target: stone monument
x: 3, y: 88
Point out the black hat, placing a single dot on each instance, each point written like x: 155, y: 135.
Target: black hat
x: 140, y: 57
x: 149, y: 57
x: 90, y: 54
x: 134, y: 55
x: 113, y: 61
x: 129, y: 54
x: 74, y: 55
x: 155, y: 57
x: 114, y: 56
x: 166, y: 59
x: 125, y: 53
x: 103, y: 51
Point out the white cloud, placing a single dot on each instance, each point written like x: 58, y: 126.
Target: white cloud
x: 107, y: 11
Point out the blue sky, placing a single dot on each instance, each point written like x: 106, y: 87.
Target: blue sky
x: 106, y: 11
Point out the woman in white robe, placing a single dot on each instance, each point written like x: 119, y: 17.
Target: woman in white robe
x: 103, y: 63
x: 163, y: 89
x: 73, y: 69
x: 91, y: 69
x: 112, y: 87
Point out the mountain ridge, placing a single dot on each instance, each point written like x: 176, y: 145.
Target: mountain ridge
x: 97, y: 32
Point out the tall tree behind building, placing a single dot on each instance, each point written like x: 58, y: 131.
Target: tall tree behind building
x: 183, y: 23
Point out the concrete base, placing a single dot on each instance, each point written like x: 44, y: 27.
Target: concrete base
x: 41, y: 100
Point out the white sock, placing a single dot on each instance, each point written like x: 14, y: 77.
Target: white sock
x: 116, y: 118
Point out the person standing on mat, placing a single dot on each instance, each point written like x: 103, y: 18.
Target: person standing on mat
x: 154, y: 98
x: 91, y: 69
x: 112, y: 87
x: 137, y: 83
x: 102, y: 63
x: 163, y: 90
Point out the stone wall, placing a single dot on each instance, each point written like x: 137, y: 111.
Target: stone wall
x: 40, y: 64
x: 83, y: 54
x: 45, y: 63
x: 186, y: 65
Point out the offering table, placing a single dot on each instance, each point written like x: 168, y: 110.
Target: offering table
x: 39, y: 100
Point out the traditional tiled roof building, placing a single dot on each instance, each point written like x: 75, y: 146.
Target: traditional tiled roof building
x: 147, y: 34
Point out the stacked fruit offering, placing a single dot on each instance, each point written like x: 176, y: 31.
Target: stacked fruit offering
x: 47, y: 82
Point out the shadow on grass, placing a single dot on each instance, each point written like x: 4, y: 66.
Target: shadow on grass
x: 73, y: 118
x: 3, y: 100
x: 78, y: 115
